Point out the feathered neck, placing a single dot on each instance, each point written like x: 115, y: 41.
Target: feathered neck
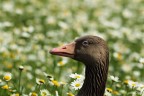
x: 95, y: 79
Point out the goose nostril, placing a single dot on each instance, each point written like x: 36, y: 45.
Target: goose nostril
x: 64, y: 47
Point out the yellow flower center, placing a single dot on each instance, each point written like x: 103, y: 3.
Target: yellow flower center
x: 77, y: 85
x: 126, y: 82
x: 55, y: 83
x: 9, y: 66
x: 17, y: 94
x: 60, y: 63
x: 5, y: 87
x: 41, y: 81
x: 44, y: 94
x: 7, y: 78
x: 109, y: 90
x: 119, y: 56
x: 115, y: 92
x: 34, y: 94
x: 77, y: 76
x: 63, y: 83
x: 70, y: 94
x: 133, y: 85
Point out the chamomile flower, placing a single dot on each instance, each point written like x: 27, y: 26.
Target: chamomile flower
x: 107, y: 93
x: 70, y: 94
x: 114, y: 79
x: 62, y: 62
x: 115, y: 92
x: 109, y: 90
x: 15, y: 94
x: 140, y: 88
x: 131, y: 83
x: 21, y: 68
x: 44, y: 92
x: 118, y: 55
x: 33, y: 94
x: 5, y: 87
x: 0, y: 80
x: 7, y: 76
x: 25, y: 95
x: 55, y: 83
x: 77, y: 76
x: 40, y: 81
x: 63, y: 83
x: 76, y: 84
x: 141, y: 60
x: 48, y: 76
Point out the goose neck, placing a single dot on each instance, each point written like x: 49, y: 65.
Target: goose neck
x: 95, y: 81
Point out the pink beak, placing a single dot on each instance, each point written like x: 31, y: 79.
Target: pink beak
x: 66, y: 50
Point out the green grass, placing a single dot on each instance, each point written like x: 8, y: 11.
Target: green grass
x: 30, y: 28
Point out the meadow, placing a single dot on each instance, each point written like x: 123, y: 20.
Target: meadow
x: 30, y: 28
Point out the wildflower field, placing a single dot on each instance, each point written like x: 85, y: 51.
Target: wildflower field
x: 30, y: 28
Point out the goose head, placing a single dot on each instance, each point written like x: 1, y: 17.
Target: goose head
x: 93, y: 52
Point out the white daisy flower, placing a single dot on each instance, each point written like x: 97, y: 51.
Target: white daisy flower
x: 70, y: 94
x: 55, y: 83
x: 77, y: 76
x: 39, y: 81
x: 63, y: 25
x: 44, y: 92
x: 132, y: 84
x: 21, y: 67
x: 62, y: 83
x: 0, y: 80
x: 33, y: 94
x: 115, y: 79
x: 62, y: 62
x: 141, y: 60
x: 76, y: 84
x: 48, y: 76
x: 140, y: 88
x: 107, y: 93
x: 15, y: 94
x: 118, y: 55
x: 7, y: 76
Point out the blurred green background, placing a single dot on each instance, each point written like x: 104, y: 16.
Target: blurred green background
x: 30, y: 28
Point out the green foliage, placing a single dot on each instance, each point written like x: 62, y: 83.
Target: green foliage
x: 30, y: 28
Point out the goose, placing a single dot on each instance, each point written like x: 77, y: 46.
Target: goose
x: 93, y: 52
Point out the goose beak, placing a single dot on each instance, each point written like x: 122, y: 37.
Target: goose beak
x: 66, y: 50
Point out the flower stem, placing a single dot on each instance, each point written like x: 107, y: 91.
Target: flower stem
x: 112, y: 84
x: 61, y: 91
x: 20, y: 81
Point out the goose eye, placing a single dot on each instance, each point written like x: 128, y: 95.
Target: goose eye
x: 85, y: 43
